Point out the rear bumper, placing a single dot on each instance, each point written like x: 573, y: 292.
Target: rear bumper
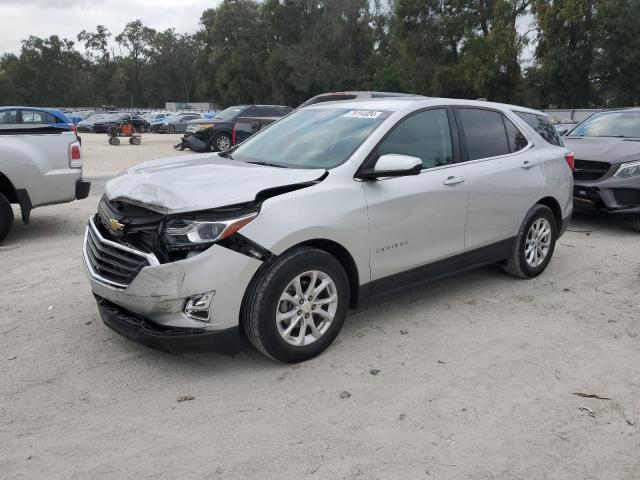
x: 167, y: 339
x: 82, y: 189
x: 564, y: 225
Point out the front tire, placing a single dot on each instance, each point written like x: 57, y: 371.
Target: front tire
x: 636, y: 224
x: 296, y: 307
x: 6, y: 217
x: 169, y: 129
x: 533, y: 247
x: 221, y: 142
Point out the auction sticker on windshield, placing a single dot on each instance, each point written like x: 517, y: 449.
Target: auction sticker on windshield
x: 362, y: 114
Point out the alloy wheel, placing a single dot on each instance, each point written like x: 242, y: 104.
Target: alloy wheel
x: 306, y: 308
x: 223, y: 143
x: 538, y: 242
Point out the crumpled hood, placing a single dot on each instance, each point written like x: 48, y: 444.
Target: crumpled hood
x: 603, y: 149
x: 197, y: 182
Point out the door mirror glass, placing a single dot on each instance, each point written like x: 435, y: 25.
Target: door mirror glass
x: 393, y: 165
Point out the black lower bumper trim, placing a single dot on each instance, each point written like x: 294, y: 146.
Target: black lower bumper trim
x: 167, y: 339
x: 25, y: 204
x: 82, y: 189
x: 564, y: 225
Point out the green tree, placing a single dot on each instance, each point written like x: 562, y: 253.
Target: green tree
x: 562, y: 75
x: 235, y: 53
x: 135, y: 38
x: 172, y: 67
x: 616, y: 67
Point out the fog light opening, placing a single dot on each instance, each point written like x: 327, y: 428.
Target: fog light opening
x: 197, y: 306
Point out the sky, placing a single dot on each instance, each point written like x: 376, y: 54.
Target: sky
x: 66, y: 18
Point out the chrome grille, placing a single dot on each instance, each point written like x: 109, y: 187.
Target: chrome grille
x: 110, y: 262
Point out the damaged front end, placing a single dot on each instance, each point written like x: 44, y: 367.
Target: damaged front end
x: 174, y: 237
x: 167, y: 279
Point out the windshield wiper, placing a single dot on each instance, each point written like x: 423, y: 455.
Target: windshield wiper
x: 226, y: 155
x: 266, y: 164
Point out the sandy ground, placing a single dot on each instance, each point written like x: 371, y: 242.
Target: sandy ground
x: 477, y: 373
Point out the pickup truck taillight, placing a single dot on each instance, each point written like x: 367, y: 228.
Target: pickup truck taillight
x: 74, y: 156
x: 571, y: 160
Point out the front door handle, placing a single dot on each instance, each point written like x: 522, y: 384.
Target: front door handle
x: 527, y: 165
x: 453, y: 180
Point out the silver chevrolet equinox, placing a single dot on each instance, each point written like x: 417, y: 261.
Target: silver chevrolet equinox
x: 332, y: 206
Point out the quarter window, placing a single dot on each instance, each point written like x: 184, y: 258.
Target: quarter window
x: 517, y: 140
x: 543, y: 126
x: 425, y: 135
x: 484, y: 133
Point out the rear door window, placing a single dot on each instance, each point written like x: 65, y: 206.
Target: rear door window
x: 484, y: 133
x: 30, y: 117
x: 543, y: 126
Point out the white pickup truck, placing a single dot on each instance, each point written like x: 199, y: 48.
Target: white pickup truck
x: 39, y: 165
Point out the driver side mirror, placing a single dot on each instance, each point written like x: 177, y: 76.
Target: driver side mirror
x: 393, y: 165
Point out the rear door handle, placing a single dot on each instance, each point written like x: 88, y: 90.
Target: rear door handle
x: 527, y: 165
x: 453, y: 180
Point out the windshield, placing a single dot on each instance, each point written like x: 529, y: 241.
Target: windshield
x: 610, y: 124
x: 230, y: 113
x: 313, y: 138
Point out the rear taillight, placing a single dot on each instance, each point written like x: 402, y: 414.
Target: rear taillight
x: 233, y: 136
x: 73, y: 128
x: 74, y: 156
x: 571, y: 161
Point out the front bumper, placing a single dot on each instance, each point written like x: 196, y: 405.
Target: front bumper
x: 167, y: 339
x: 159, y: 292
x: 611, y: 195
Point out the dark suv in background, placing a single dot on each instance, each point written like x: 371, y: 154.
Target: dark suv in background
x: 222, y: 124
x: 607, y: 169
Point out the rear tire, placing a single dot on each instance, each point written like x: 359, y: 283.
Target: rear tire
x: 169, y: 129
x: 114, y: 141
x: 6, y: 217
x: 533, y: 247
x: 314, y: 324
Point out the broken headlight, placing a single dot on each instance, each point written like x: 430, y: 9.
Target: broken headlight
x: 200, y: 232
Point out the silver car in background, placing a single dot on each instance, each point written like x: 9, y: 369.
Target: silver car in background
x: 330, y: 207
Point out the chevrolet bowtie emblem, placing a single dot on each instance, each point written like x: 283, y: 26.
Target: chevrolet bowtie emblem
x: 115, y: 225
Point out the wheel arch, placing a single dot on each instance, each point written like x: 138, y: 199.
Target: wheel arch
x: 7, y: 189
x: 333, y: 248
x: 346, y: 260
x: 553, y: 204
